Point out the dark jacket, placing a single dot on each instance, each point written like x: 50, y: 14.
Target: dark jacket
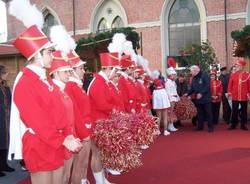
x: 182, y: 88
x: 201, y: 84
x: 5, y: 100
x: 224, y: 79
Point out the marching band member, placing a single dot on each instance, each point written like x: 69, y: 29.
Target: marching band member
x: 83, y: 120
x: 238, y: 91
x: 216, y: 94
x: 101, y: 104
x: 125, y: 86
x: 142, y: 98
x: 173, y: 96
x: 160, y: 102
x: 38, y: 125
x: 60, y: 71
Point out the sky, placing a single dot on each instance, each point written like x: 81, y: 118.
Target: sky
x: 3, y: 22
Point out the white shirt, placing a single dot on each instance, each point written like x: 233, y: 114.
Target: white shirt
x: 171, y: 89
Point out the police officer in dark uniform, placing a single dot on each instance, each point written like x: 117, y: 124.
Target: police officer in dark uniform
x: 200, y: 86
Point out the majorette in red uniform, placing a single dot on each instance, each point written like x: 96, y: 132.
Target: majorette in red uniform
x: 44, y: 128
x: 116, y: 96
x: 60, y: 72
x: 238, y: 91
x: 125, y: 86
x: 100, y: 96
x: 83, y: 120
x: 146, y: 84
x: 216, y: 94
x: 142, y: 99
x: 98, y: 91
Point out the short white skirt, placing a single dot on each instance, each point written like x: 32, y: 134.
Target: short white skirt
x: 160, y: 99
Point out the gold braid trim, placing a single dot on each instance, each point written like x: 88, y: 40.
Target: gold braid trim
x: 32, y: 38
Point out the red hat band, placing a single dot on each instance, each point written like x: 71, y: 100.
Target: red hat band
x: 126, y: 61
x: 30, y: 42
x: 109, y: 59
x: 241, y: 62
x: 59, y: 62
x: 74, y: 59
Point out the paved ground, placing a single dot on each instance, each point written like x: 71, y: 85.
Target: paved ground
x: 14, y: 177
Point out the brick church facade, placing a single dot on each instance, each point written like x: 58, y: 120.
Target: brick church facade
x: 165, y: 25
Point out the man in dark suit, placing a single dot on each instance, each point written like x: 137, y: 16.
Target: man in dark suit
x: 200, y: 86
x: 224, y: 78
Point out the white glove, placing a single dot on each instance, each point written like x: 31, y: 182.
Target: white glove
x: 72, y: 144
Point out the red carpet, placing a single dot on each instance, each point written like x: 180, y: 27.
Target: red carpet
x: 189, y: 157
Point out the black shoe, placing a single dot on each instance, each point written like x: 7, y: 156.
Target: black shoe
x: 2, y: 174
x: 231, y: 128
x: 244, y: 128
x: 8, y: 169
x: 210, y: 130
x: 198, y: 129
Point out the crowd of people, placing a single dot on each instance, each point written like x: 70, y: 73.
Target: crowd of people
x: 52, y: 113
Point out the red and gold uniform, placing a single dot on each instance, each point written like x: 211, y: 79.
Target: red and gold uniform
x: 239, y: 86
x: 216, y: 90
x: 238, y: 91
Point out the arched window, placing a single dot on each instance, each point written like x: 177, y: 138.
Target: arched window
x: 184, y: 26
x: 49, y: 21
x: 102, y: 25
x: 117, y: 22
x: 108, y: 14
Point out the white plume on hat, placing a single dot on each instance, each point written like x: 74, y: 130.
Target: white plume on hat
x: 171, y: 71
x: 26, y: 13
x: 63, y: 41
x: 144, y: 63
x: 119, y: 38
x: 117, y: 43
x: 128, y: 48
x: 155, y: 74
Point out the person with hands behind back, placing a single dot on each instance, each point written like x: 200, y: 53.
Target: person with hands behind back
x: 238, y: 92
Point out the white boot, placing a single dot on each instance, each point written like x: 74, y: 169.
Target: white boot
x: 85, y: 181
x: 99, y: 177
x: 105, y: 181
x: 171, y: 127
x: 144, y: 146
x: 166, y: 132
x: 113, y: 172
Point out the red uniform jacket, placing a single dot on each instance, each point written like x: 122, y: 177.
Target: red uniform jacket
x: 116, y: 97
x: 141, y: 104
x: 239, y: 86
x: 100, y: 98
x: 149, y: 95
x: 42, y: 110
x: 68, y: 104
x: 158, y: 84
x: 128, y: 95
x: 216, y: 90
x: 82, y: 109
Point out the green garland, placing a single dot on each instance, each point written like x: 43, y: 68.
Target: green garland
x: 242, y: 38
x: 93, y: 40
x: 197, y: 54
